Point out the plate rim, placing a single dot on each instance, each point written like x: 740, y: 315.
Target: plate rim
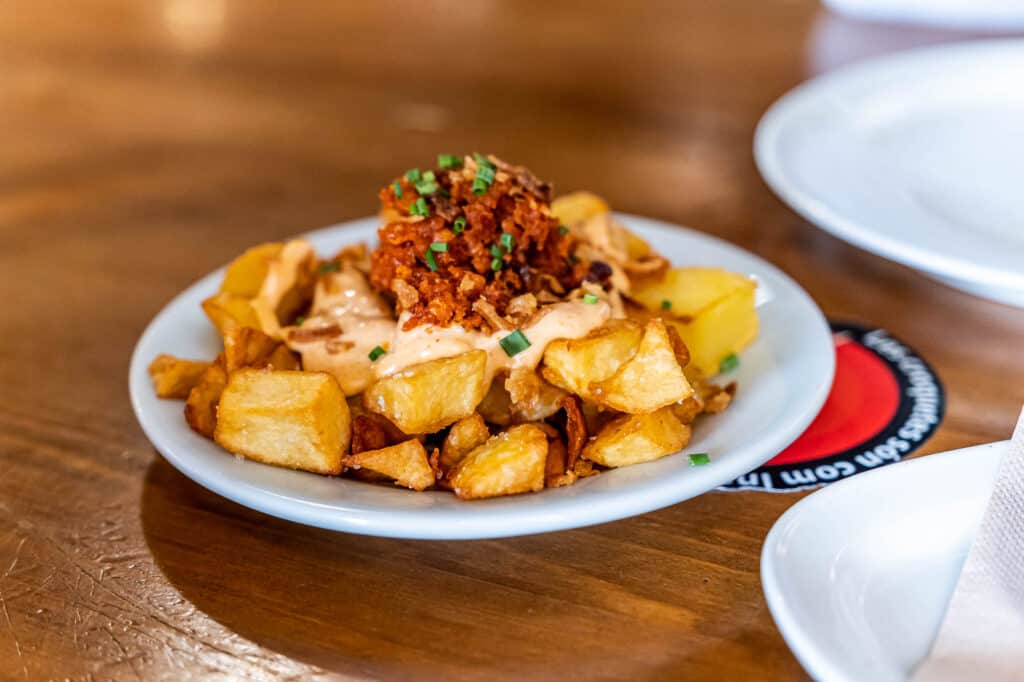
x: 776, y: 120
x: 801, y: 642
x: 474, y: 526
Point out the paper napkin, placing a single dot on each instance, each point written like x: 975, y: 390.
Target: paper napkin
x: 982, y: 636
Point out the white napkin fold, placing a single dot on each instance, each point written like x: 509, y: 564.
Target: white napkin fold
x: 982, y: 636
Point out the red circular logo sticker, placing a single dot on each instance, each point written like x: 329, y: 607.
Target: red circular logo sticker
x: 885, y: 403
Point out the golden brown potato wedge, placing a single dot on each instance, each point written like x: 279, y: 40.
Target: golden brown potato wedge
x: 464, y: 435
x: 227, y: 311
x: 405, y: 463
x: 636, y: 438
x: 427, y: 397
x: 576, y: 207
x: 532, y: 398
x: 201, y: 404
x: 174, y: 377
x: 298, y: 420
x: 649, y: 380
x: 287, y: 287
x: 244, y: 275
x: 509, y: 463
x: 713, y: 310
x: 575, y: 364
x: 247, y: 347
x: 496, y: 407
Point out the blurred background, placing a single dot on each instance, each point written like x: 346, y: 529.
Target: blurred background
x: 275, y: 119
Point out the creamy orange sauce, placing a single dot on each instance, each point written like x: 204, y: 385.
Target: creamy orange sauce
x: 343, y: 300
x: 567, y: 320
x: 348, y: 320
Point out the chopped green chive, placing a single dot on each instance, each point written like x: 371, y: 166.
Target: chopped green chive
x: 515, y: 343
x: 699, y: 459
x: 484, y: 174
x: 427, y: 183
x: 459, y: 225
x: 376, y: 353
x: 398, y: 189
x: 431, y: 261
x: 496, y: 264
x: 449, y: 160
x: 497, y: 251
x: 439, y: 247
x: 413, y: 175
x: 563, y: 230
x: 299, y: 320
x: 420, y: 208
x: 507, y: 241
x: 666, y: 304
x: 729, y: 363
x: 590, y: 298
x: 333, y: 266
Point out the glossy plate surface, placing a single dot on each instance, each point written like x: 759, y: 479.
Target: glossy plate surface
x: 784, y: 378
x: 915, y: 156
x: 858, y: 575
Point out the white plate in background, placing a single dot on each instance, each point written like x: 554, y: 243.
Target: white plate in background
x: 858, y: 575
x: 916, y: 156
x: 783, y: 378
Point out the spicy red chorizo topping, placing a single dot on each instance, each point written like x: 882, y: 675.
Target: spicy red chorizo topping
x: 467, y: 237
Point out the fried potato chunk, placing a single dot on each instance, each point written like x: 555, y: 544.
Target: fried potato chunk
x: 532, y: 398
x: 244, y: 275
x: 298, y: 420
x: 249, y: 347
x: 496, y: 407
x: 713, y: 309
x: 287, y: 286
x: 201, y: 404
x: 431, y: 395
x: 509, y: 463
x: 649, y: 380
x: 636, y: 438
x: 174, y: 377
x: 464, y: 435
x: 575, y: 364
x: 227, y: 311
x: 405, y: 463
x: 576, y: 207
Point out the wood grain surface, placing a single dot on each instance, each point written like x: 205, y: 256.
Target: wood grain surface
x: 146, y: 143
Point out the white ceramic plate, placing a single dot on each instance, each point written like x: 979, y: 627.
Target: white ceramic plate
x: 859, y: 574
x: 784, y: 378
x: 916, y: 156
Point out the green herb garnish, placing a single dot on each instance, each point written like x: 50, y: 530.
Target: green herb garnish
x: 590, y: 298
x: 479, y: 186
x: 484, y: 174
x: 497, y: 251
x: 333, y: 266
x: 729, y: 363
x: 398, y: 189
x: 431, y: 262
x: 563, y: 230
x: 496, y: 264
x: 420, y: 208
x: 376, y: 353
x: 459, y: 225
x: 449, y: 160
x: 507, y: 241
x: 699, y: 459
x: 439, y: 247
x: 666, y: 304
x: 514, y: 344
x: 427, y: 184
x: 413, y: 175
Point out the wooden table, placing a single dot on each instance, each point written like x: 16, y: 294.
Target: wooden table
x: 147, y: 143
